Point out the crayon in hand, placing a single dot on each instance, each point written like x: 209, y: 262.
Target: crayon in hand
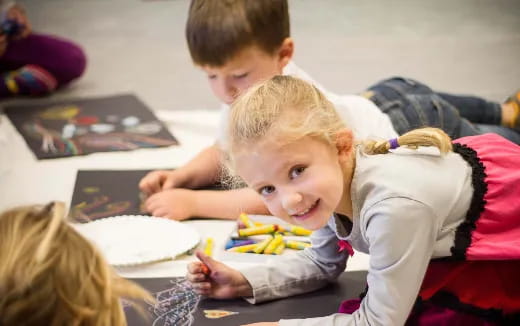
x: 205, y: 269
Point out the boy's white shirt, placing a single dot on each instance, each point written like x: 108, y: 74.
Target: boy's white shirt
x: 358, y: 113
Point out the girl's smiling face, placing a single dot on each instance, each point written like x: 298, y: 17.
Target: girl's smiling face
x: 301, y: 182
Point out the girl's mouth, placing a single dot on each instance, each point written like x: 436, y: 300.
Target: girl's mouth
x: 306, y: 213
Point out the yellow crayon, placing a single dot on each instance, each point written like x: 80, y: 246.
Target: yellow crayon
x: 262, y: 245
x: 245, y: 248
x: 245, y: 219
x: 258, y: 223
x: 269, y: 228
x: 208, y: 249
x: 298, y: 230
x: 299, y: 245
x: 279, y: 249
x: 273, y: 244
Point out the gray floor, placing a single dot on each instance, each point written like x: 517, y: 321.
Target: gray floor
x: 460, y: 46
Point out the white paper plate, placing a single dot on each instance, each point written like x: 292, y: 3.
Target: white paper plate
x: 137, y: 239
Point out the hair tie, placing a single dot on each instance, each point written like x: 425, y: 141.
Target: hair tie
x: 393, y: 143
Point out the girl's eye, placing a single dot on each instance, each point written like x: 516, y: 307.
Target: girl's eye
x: 212, y: 76
x: 267, y: 190
x: 297, y: 171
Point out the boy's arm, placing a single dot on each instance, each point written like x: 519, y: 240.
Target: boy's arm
x: 228, y: 204
x: 203, y: 169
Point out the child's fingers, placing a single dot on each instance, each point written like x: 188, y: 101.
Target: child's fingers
x: 206, y: 260
x: 196, y: 277
x: 196, y: 268
x: 203, y: 288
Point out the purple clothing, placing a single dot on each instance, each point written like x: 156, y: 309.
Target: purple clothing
x: 62, y: 59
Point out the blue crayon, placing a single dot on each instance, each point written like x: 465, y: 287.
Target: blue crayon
x: 236, y: 243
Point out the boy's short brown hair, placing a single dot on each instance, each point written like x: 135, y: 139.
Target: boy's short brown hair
x: 217, y: 30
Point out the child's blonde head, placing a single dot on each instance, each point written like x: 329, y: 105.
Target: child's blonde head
x: 283, y: 108
x: 286, y: 109
x: 51, y: 275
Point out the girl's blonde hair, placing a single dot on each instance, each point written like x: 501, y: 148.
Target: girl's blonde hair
x: 290, y: 109
x: 285, y: 107
x: 51, y: 275
x: 412, y: 139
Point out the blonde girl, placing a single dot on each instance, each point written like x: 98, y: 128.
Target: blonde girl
x: 440, y: 220
x: 50, y: 275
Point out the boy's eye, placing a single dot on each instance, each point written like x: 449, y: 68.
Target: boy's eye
x: 296, y: 171
x: 212, y: 76
x: 241, y: 75
x: 264, y: 191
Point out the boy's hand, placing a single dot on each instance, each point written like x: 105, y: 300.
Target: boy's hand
x: 217, y: 280
x: 175, y: 204
x: 157, y: 181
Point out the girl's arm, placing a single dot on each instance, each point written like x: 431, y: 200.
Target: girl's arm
x: 401, y: 245
x: 303, y: 272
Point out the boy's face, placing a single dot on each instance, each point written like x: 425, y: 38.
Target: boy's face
x: 301, y: 182
x: 248, y: 67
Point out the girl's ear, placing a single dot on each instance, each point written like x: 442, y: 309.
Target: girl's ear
x: 344, y: 142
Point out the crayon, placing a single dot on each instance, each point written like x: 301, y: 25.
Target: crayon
x: 205, y: 269
x: 245, y: 219
x: 269, y: 228
x: 273, y: 244
x: 298, y: 230
x: 242, y: 249
x: 236, y: 243
x: 260, y: 247
x: 208, y: 249
x: 299, y: 245
x: 280, y: 248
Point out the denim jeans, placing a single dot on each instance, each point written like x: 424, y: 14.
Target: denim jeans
x: 411, y: 104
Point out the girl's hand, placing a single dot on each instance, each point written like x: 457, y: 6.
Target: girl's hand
x: 17, y: 13
x: 217, y: 280
x: 274, y: 323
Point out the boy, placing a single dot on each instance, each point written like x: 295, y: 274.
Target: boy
x: 238, y: 43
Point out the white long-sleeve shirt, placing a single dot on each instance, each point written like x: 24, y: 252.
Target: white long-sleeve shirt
x: 359, y: 114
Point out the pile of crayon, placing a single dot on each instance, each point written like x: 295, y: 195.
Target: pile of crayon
x: 274, y: 242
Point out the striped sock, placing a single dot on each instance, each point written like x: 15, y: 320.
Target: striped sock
x: 29, y: 80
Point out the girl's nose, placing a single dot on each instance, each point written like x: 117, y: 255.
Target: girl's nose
x: 291, y: 201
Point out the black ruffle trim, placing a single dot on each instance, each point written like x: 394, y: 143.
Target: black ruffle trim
x: 450, y: 301
x: 476, y: 207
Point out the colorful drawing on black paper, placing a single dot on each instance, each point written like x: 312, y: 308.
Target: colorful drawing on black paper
x: 179, y: 305
x: 175, y: 303
x: 84, y: 126
x: 103, y: 193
